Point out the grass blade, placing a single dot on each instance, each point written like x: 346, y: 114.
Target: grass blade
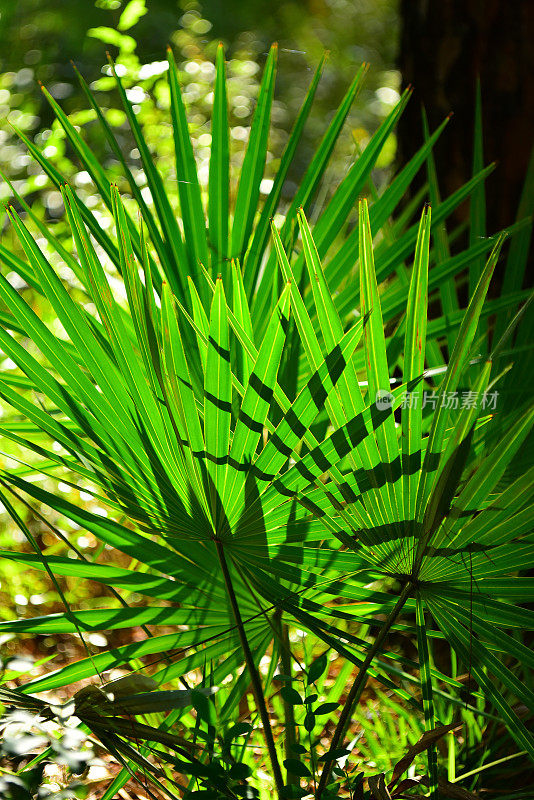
x: 186, y: 175
x: 262, y: 230
x: 447, y: 290
x: 217, y: 403
x: 242, y: 314
x: 219, y: 170
x: 248, y: 191
x: 308, y: 186
x: 414, y: 364
x: 377, y: 366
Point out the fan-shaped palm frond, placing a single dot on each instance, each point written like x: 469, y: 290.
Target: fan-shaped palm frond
x: 256, y: 415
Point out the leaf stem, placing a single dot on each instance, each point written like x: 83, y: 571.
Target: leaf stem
x: 359, y: 685
x: 257, y: 688
x: 289, y: 711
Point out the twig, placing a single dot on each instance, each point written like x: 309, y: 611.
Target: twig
x: 257, y: 688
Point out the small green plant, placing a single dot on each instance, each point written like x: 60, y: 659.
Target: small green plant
x: 282, y: 439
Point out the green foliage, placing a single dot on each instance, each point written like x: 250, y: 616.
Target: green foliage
x: 282, y: 438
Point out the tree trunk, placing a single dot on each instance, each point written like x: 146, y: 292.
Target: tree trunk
x: 445, y: 45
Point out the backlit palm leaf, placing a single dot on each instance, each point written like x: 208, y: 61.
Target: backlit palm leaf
x: 230, y: 421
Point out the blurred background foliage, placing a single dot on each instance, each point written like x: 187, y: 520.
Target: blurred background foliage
x: 36, y: 45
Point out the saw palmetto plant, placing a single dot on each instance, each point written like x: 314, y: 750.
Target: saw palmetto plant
x: 301, y: 420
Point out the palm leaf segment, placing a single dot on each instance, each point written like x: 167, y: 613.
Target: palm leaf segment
x: 258, y: 425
